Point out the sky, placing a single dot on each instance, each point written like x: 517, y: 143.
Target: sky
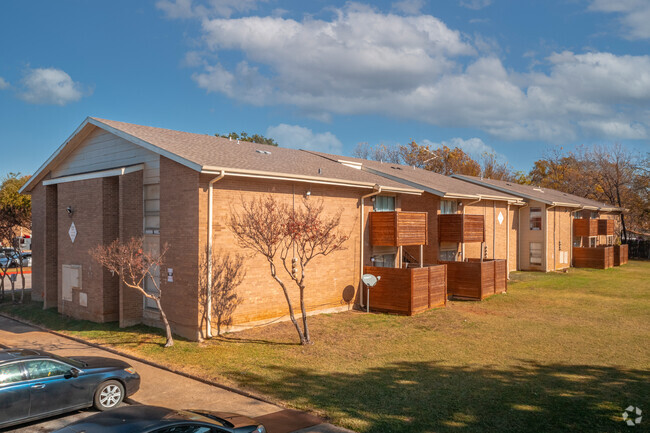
x: 518, y: 78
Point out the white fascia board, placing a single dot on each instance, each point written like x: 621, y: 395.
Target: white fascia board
x: 487, y: 185
x: 95, y: 174
x: 298, y: 178
x: 404, y: 181
x: 146, y: 145
x: 557, y: 203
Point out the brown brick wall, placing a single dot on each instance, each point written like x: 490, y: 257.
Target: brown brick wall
x: 110, y: 232
x: 86, y: 198
x: 130, y: 225
x: 179, y: 230
x: 330, y: 280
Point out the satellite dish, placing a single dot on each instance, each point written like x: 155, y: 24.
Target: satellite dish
x: 370, y: 280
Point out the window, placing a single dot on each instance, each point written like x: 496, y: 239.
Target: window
x: 535, y: 218
x: 593, y: 242
x: 384, y: 261
x: 610, y: 240
x: 448, y: 207
x: 150, y: 287
x: 535, y: 253
x: 384, y: 203
x: 577, y: 214
x: 448, y: 251
x: 594, y: 215
x: 45, y: 368
x: 152, y: 209
x: 11, y: 373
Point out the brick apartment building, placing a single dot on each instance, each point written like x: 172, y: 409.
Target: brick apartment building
x: 546, y: 239
x: 112, y: 180
x: 446, y: 201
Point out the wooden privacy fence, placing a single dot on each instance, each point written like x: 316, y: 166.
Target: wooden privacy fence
x: 398, y: 228
x: 598, y: 257
x: 475, y: 279
x: 620, y: 254
x: 408, y: 291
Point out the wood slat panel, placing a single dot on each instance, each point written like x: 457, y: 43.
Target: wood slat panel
x: 476, y: 279
x: 597, y: 258
x: 392, y: 229
x: 605, y: 227
x: 585, y: 227
x: 461, y: 228
x: 620, y: 254
x: 408, y: 291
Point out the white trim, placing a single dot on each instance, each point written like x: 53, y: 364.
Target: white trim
x: 305, y: 179
x: 95, y: 174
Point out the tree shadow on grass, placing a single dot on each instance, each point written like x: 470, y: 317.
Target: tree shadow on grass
x: 236, y: 340
x: 429, y: 397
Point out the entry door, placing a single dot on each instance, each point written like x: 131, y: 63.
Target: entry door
x: 14, y: 393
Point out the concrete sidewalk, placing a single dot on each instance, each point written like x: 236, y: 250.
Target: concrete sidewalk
x: 164, y: 388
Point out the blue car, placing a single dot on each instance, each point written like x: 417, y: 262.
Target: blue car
x: 36, y: 384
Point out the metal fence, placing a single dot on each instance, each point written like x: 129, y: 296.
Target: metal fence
x: 638, y: 249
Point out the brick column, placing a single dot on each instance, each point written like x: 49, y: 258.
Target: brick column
x: 130, y: 225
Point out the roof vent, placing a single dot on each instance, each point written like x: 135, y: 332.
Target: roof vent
x: 320, y: 171
x: 508, y: 184
x: 538, y: 188
x: 263, y: 152
x: 396, y: 168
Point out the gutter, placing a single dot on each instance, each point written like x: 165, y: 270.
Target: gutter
x: 209, y: 258
x: 376, y: 190
x: 301, y: 178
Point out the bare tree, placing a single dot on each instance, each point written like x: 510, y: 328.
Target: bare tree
x: 135, y: 266
x: 227, y: 274
x: 379, y: 152
x: 294, y: 237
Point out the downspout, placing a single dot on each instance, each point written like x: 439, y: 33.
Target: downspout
x: 377, y: 190
x: 209, y: 258
x: 546, y: 238
x: 494, y: 230
x: 519, y: 233
x: 508, y: 240
x: 462, y: 245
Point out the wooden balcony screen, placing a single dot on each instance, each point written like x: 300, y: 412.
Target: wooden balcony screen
x: 585, y: 227
x: 408, y: 291
x: 597, y: 258
x: 620, y: 254
x: 461, y: 228
x: 605, y: 227
x: 394, y: 229
x: 475, y: 279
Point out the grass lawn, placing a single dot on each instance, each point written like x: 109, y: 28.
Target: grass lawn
x: 558, y: 352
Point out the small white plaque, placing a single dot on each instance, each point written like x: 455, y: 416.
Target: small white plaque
x: 72, y: 232
x: 170, y: 275
x: 500, y: 218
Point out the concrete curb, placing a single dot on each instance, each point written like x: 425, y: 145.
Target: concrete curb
x: 144, y: 361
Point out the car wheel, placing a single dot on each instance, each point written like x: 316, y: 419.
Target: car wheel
x: 108, y: 395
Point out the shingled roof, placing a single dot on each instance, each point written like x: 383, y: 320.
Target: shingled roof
x: 426, y: 180
x: 208, y: 153
x: 544, y: 195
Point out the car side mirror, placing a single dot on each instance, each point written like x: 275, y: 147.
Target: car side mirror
x: 74, y: 372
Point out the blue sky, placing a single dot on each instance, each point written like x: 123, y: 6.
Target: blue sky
x: 515, y: 77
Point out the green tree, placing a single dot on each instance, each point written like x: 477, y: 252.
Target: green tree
x: 255, y: 138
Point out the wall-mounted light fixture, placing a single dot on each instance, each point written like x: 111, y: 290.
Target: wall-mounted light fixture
x: 307, y: 193
x: 70, y: 211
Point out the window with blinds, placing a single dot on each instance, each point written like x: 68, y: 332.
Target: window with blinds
x: 448, y: 207
x: 535, y: 218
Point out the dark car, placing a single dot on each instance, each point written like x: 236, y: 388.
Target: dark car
x: 155, y: 419
x: 36, y: 384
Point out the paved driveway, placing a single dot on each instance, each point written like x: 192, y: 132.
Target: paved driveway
x: 161, y: 387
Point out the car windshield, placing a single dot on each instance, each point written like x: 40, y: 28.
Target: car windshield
x: 70, y: 361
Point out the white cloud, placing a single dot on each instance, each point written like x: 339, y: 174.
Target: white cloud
x: 475, y: 147
x: 475, y: 4
x: 410, y: 7
x: 363, y: 61
x: 299, y: 137
x: 3, y: 84
x: 184, y: 9
x: 634, y: 15
x: 49, y: 86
